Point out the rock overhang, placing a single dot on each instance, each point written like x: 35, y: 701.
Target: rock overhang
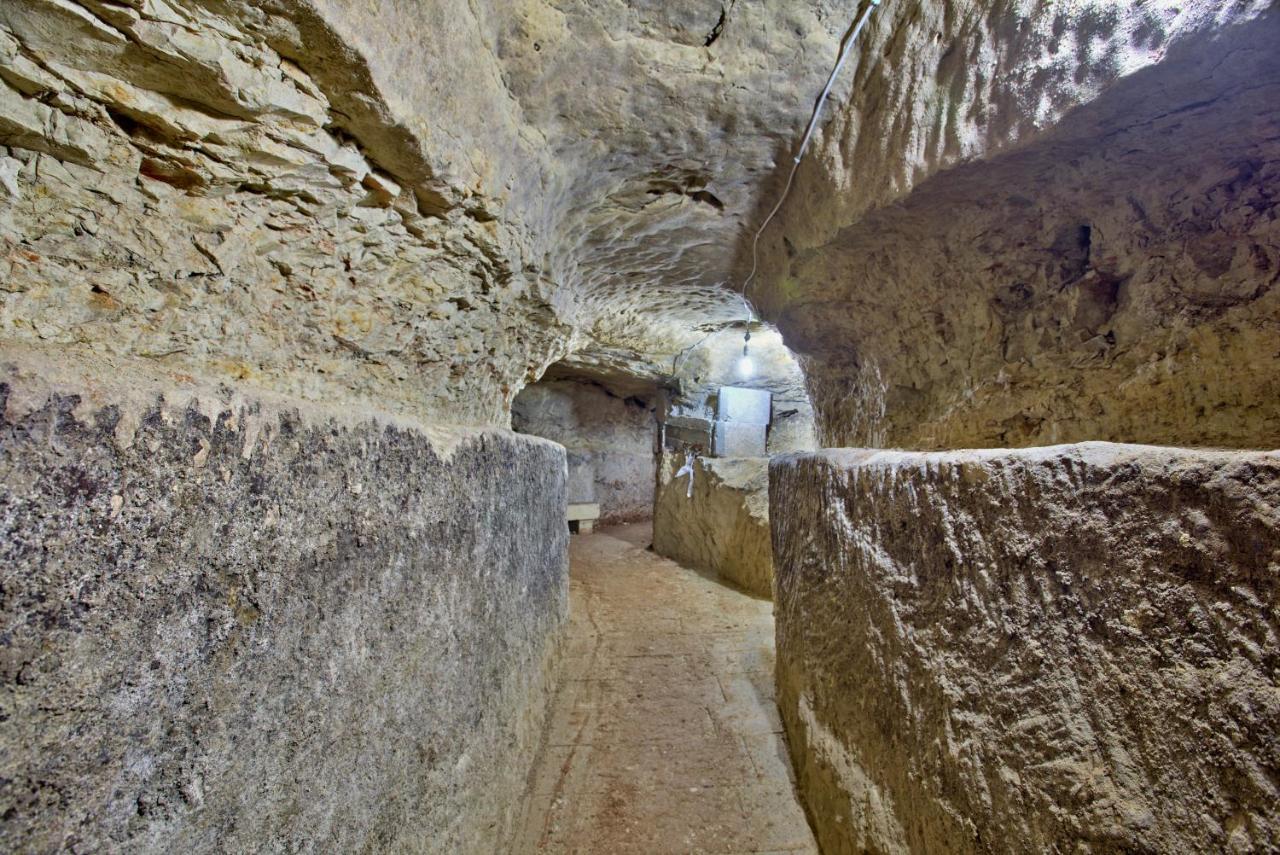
x: 437, y: 220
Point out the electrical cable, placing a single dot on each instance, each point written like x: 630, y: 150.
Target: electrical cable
x: 804, y: 146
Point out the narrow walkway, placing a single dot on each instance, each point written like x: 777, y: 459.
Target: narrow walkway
x: 664, y: 735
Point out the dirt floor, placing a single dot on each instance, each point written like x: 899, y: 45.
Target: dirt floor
x: 664, y: 735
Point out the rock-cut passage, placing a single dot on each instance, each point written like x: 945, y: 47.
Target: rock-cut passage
x: 664, y: 735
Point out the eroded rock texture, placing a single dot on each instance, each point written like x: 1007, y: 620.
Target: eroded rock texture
x: 322, y: 201
x: 724, y: 526
x: 230, y: 625
x: 180, y: 189
x: 969, y: 261
x: 423, y: 207
x: 1023, y: 222
x: 609, y: 438
x: 1071, y: 648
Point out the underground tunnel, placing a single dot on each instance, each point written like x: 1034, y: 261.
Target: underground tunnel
x: 627, y: 426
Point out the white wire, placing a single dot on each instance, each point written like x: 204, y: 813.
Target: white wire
x: 804, y: 146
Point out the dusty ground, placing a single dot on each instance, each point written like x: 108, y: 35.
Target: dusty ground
x: 664, y: 735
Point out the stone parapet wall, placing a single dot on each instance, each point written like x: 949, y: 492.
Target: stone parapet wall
x: 724, y: 527
x: 233, y: 624
x: 1070, y: 648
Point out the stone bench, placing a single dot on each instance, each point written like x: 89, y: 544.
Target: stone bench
x: 582, y: 516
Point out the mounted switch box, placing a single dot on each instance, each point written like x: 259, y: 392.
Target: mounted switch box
x: 736, y: 404
x: 685, y: 432
x: 740, y: 439
x: 742, y: 422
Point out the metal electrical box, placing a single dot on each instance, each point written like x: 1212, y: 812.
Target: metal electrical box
x: 736, y: 404
x: 742, y: 422
x: 687, y: 432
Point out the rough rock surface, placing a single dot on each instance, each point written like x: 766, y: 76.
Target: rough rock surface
x: 232, y: 625
x: 1024, y: 222
x: 324, y: 202
x: 610, y: 438
x: 1106, y: 272
x: 1071, y: 648
x: 331, y: 203
x: 183, y: 191
x: 724, y: 528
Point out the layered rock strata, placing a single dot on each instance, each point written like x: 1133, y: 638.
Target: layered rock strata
x: 321, y: 201
x: 724, y: 526
x: 224, y: 189
x: 238, y: 624
x: 1070, y: 648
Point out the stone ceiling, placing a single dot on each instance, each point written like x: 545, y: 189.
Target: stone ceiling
x: 423, y: 205
x: 633, y: 140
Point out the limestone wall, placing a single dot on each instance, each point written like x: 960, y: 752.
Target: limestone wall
x: 1090, y: 246
x: 222, y: 188
x: 724, y: 527
x: 610, y: 439
x: 1062, y: 649
x: 230, y: 624
x: 402, y: 207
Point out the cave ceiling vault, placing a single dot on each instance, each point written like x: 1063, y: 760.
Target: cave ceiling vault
x: 421, y: 209
x: 425, y: 208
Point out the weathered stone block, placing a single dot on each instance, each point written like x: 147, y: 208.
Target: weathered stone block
x: 1059, y: 649
x: 234, y: 625
x: 724, y: 527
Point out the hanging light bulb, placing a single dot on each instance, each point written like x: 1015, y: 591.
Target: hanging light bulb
x: 745, y: 366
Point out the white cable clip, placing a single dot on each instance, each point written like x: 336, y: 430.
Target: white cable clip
x: 687, y: 469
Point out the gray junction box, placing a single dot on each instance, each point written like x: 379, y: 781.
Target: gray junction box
x: 742, y: 422
x: 737, y: 404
